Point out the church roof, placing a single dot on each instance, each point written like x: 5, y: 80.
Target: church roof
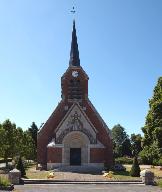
x: 74, y: 53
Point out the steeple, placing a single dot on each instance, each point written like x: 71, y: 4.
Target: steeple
x: 74, y: 53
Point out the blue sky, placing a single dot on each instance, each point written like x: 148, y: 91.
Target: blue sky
x: 120, y: 43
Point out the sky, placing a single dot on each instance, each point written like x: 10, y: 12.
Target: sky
x: 120, y: 45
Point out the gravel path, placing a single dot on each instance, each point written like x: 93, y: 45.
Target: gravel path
x: 78, y: 176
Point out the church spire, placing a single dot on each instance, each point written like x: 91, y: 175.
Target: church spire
x: 74, y: 53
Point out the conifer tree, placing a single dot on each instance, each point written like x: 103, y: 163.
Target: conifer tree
x: 135, y: 170
x: 33, y: 130
x: 20, y: 167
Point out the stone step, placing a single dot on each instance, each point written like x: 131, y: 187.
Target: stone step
x: 48, y: 181
x: 80, y: 169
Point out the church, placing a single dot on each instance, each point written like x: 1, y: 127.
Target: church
x: 75, y: 134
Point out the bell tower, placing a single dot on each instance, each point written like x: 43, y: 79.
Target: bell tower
x: 74, y: 82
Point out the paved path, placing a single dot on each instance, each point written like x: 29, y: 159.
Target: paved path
x: 86, y: 188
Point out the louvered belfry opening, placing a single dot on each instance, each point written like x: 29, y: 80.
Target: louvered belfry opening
x: 75, y: 89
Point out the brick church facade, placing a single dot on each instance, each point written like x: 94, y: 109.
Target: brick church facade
x: 75, y: 133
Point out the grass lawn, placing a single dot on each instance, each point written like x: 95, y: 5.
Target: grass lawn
x: 159, y: 183
x: 36, y: 174
x: 157, y: 172
x: 31, y: 173
x: 123, y: 175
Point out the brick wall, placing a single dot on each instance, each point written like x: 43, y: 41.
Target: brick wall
x: 54, y: 155
x: 97, y: 155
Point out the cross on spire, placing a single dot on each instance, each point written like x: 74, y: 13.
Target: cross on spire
x: 73, y: 10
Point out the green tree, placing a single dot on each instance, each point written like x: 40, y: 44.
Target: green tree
x: 29, y: 150
x: 135, y: 169
x: 121, y: 141
x: 33, y: 130
x: 20, y: 167
x: 150, y: 153
x: 15, y: 142
x: 25, y: 147
x: 2, y: 146
x: 9, y: 141
x: 153, y: 125
x: 136, y: 141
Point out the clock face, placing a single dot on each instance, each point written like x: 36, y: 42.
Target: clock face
x: 75, y: 73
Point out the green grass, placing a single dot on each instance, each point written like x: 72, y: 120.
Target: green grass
x: 4, y: 181
x: 159, y: 183
x: 124, y: 175
x: 36, y: 174
x: 31, y: 173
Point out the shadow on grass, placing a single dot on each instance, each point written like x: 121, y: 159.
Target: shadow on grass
x: 122, y: 173
x: 25, y: 177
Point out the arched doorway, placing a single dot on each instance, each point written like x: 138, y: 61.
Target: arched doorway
x: 76, y: 151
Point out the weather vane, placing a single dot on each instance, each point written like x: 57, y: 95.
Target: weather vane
x: 73, y: 10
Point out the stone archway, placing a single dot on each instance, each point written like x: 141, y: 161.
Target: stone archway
x: 76, y: 139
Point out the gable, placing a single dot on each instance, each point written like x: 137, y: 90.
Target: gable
x: 75, y: 120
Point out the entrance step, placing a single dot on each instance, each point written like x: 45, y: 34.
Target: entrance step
x: 48, y: 181
x: 80, y: 169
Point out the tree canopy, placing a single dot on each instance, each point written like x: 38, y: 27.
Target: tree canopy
x: 15, y: 142
x: 121, y: 141
x: 153, y: 125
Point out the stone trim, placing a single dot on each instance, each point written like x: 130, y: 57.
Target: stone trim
x: 98, y: 145
x: 56, y: 146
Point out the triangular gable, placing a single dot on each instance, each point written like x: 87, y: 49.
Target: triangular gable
x: 70, y: 112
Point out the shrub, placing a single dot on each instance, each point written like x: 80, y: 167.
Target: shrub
x: 20, y: 167
x: 135, y: 170
x: 107, y: 167
x: 119, y: 167
x: 157, y: 162
x: 124, y: 160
